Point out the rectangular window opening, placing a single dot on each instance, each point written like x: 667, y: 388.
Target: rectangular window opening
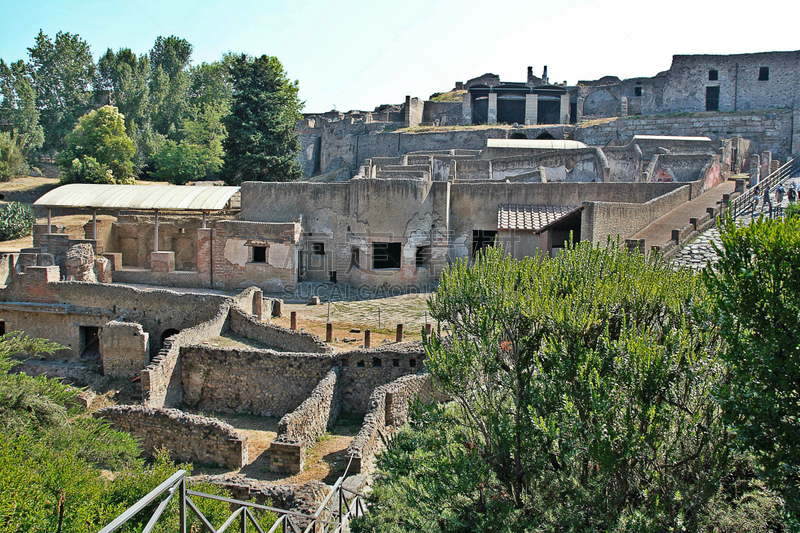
x: 637, y: 91
x: 713, y: 75
x: 423, y: 256
x: 386, y: 255
x: 360, y: 364
x: 482, y: 238
x: 763, y: 74
x: 395, y: 363
x: 318, y: 248
x: 412, y: 363
x: 2, y: 327
x: 259, y: 254
x: 345, y: 363
x: 376, y: 362
x: 355, y: 258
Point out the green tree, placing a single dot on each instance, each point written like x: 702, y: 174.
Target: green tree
x: 63, y: 72
x: 12, y: 160
x: 262, y: 143
x: 582, y: 401
x: 169, y: 60
x: 179, y: 163
x: 209, y: 101
x: 18, y: 106
x: 756, y: 292
x: 16, y: 220
x: 98, y: 150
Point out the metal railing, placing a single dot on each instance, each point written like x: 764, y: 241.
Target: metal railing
x: 746, y: 201
x: 346, y: 504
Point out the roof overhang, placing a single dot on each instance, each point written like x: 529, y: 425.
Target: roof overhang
x: 536, y: 218
x: 143, y: 197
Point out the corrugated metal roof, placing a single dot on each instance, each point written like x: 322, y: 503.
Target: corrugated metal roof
x: 668, y: 138
x: 147, y: 197
x: 547, y: 144
x: 531, y: 217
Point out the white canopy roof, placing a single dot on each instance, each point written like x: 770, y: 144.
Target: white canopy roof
x: 546, y: 144
x: 146, y: 197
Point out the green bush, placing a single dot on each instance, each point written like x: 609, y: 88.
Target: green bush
x: 12, y: 161
x: 16, y: 220
x: 182, y: 163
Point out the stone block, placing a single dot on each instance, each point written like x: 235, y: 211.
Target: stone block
x: 162, y: 261
x: 124, y: 348
x: 115, y: 260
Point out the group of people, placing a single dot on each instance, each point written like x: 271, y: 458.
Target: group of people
x: 766, y: 197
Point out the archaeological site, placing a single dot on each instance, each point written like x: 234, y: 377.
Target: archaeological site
x: 135, y: 281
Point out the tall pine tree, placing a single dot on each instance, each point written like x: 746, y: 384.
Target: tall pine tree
x: 262, y: 143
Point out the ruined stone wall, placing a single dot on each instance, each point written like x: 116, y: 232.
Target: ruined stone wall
x: 275, y: 336
x: 767, y: 130
x: 124, y: 348
x: 388, y: 410
x: 362, y: 371
x: 300, y: 429
x: 442, y: 113
x: 189, y: 438
x: 680, y: 167
x: 261, y: 382
x: 161, y: 380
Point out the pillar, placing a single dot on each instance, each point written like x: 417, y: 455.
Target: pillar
x: 328, y: 332
x: 258, y: 305
x: 492, y: 116
x: 564, y: 109
x: 466, y: 109
x: 399, y: 336
x: 531, y: 109
x: 367, y: 338
x: 155, y: 234
x: 623, y: 106
x: 293, y: 320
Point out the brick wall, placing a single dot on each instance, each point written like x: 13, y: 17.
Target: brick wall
x: 189, y: 438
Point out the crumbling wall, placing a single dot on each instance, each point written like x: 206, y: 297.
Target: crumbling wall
x: 388, y: 410
x: 362, y: 371
x: 261, y: 382
x: 189, y: 438
x: 275, y: 336
x: 161, y: 380
x: 300, y: 429
x: 124, y: 348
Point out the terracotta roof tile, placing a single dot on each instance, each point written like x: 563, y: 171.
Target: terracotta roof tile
x: 530, y: 217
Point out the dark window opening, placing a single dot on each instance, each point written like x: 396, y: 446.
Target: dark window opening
x: 360, y: 364
x: 712, y: 98
x: 376, y: 362
x: 573, y: 112
x: 167, y: 334
x: 713, y: 75
x: 259, y: 254
x: 395, y: 363
x: 511, y: 110
x: 637, y: 91
x: 355, y: 258
x: 2, y: 327
x: 89, y: 342
x: 318, y: 248
x: 482, y: 238
x: 386, y: 255
x: 412, y: 363
x: 423, y: 256
x: 518, y: 135
x: 345, y: 363
x: 763, y: 74
x: 544, y: 136
x: 549, y: 112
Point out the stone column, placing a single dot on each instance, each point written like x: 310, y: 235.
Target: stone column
x: 531, y: 109
x: 623, y: 106
x: 466, y: 109
x: 492, y: 116
x: 564, y: 109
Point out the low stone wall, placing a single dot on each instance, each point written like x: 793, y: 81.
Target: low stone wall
x: 161, y: 380
x: 300, y: 429
x: 388, y: 411
x: 277, y: 337
x: 187, y: 437
x: 261, y: 382
x: 364, y: 370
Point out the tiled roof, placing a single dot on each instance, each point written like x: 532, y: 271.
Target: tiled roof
x: 531, y: 217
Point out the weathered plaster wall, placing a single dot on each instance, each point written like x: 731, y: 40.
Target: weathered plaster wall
x: 189, y: 438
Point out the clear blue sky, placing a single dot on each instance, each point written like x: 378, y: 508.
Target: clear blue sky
x: 357, y: 54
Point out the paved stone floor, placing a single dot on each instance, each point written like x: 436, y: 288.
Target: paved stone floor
x: 697, y: 254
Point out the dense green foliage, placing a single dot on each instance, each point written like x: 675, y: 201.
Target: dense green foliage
x: 262, y: 142
x: 98, y: 150
x: 160, y: 94
x: 756, y: 292
x: 12, y: 160
x: 16, y: 220
x: 179, y: 163
x: 582, y: 391
x: 52, y: 453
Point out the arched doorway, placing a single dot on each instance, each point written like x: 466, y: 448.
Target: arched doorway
x: 167, y: 334
x: 518, y: 135
x: 545, y: 136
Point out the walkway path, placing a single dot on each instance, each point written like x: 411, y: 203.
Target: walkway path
x: 659, y: 232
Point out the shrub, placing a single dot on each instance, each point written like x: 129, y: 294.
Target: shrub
x: 12, y: 162
x: 16, y: 220
x: 181, y: 163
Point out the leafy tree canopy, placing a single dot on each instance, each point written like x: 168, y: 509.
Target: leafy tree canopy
x: 98, y: 150
x: 756, y: 292
x: 262, y: 143
x: 18, y: 106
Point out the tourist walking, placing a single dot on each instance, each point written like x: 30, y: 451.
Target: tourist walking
x: 766, y: 201
x: 792, y: 193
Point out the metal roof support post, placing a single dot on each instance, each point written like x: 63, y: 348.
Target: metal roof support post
x: 49, y: 220
x: 94, y: 224
x: 155, y: 237
x: 204, y: 219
